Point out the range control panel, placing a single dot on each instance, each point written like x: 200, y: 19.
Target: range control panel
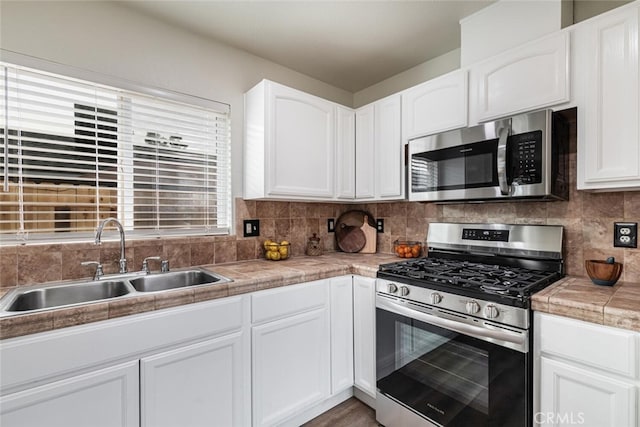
x: 487, y: 235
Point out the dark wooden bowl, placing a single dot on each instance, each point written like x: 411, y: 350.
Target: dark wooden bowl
x: 603, y: 273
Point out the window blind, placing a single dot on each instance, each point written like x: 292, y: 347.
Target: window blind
x: 77, y: 152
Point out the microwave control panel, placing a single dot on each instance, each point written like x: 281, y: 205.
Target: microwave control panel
x: 526, y: 157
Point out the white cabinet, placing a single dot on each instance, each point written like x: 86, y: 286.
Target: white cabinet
x: 379, y: 150
x: 364, y: 337
x: 196, y: 385
x: 530, y: 77
x: 106, y: 397
x: 289, y: 144
x: 609, y: 112
x: 587, y: 374
x: 187, y: 366
x: 365, y: 153
x: 573, y: 395
x: 290, y: 351
x: 435, y: 106
x: 345, y: 153
x: 341, y: 289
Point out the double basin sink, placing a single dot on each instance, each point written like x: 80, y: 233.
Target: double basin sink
x: 38, y: 297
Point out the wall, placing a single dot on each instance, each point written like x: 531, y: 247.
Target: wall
x: 113, y: 40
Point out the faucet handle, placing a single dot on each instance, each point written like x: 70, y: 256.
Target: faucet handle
x: 145, y: 263
x: 99, y: 272
x: 164, y: 266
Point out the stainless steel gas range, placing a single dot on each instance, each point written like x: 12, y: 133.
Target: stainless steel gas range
x: 454, y: 329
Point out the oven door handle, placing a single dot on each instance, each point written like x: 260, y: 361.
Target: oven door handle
x: 506, y: 338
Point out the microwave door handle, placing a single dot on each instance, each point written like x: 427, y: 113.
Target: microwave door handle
x: 502, y: 161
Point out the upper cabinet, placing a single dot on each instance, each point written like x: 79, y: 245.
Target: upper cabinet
x: 530, y: 77
x: 435, y: 106
x: 609, y: 103
x: 345, y: 153
x: 289, y: 150
x: 379, y: 150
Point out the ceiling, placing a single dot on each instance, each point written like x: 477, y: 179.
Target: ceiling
x: 348, y: 44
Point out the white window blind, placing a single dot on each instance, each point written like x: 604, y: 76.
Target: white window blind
x: 76, y: 152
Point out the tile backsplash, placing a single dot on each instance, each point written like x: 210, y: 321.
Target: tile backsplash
x: 587, y: 219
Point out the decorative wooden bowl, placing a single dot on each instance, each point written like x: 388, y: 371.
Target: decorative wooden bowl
x: 605, y: 273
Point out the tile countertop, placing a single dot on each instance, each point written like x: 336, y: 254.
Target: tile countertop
x: 579, y: 298
x: 571, y: 297
x: 248, y: 276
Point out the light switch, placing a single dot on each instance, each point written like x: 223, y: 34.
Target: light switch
x: 251, y: 227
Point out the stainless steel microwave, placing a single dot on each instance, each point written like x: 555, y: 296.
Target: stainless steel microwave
x: 521, y: 157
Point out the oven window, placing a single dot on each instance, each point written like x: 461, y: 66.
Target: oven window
x: 452, y: 379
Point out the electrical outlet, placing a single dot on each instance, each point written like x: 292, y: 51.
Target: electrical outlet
x: 331, y: 225
x: 380, y: 225
x: 251, y: 227
x: 625, y: 234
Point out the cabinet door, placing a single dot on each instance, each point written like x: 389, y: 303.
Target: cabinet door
x: 341, y: 308
x: 345, y: 153
x: 527, y: 78
x: 107, y: 397
x: 364, y: 334
x: 435, y: 106
x: 291, y: 366
x: 365, y: 153
x: 201, y: 384
x: 609, y: 146
x: 301, y: 139
x: 389, y: 159
x: 571, y: 395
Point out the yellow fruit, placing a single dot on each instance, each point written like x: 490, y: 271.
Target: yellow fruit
x: 284, y: 251
x: 267, y: 243
x: 267, y: 255
x: 275, y: 256
x: 284, y: 243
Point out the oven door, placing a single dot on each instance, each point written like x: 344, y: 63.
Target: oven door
x: 451, y: 375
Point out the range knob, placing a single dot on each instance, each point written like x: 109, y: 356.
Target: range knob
x: 472, y: 307
x: 404, y: 291
x: 435, y: 298
x: 392, y: 288
x: 491, y: 311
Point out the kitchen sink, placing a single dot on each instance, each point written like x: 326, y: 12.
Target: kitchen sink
x: 56, y: 296
x: 176, y: 279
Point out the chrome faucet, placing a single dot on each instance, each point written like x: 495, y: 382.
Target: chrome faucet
x: 123, y: 259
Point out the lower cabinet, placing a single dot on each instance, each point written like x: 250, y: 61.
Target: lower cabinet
x: 197, y: 385
x: 588, y: 374
x: 106, y: 397
x: 290, y: 351
x: 364, y: 334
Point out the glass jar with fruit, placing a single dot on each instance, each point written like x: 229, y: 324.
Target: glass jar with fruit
x: 407, y: 248
x: 275, y: 251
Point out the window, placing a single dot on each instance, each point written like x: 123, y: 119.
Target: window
x: 76, y: 152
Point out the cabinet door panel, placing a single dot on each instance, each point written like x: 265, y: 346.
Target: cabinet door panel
x: 198, y: 385
x: 609, y: 149
x: 524, y: 79
x: 364, y: 337
x: 301, y: 144
x: 345, y: 153
x: 365, y: 153
x: 569, y: 393
x: 435, y: 106
x: 341, y: 333
x: 389, y: 172
x: 290, y: 366
x: 108, y: 397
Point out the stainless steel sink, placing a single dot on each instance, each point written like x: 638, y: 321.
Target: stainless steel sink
x: 61, y: 295
x: 175, y: 279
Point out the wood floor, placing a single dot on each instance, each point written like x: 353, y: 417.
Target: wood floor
x: 350, y: 413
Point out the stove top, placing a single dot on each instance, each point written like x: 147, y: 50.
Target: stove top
x: 470, y: 278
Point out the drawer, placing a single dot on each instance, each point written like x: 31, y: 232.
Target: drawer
x: 274, y: 304
x: 610, y: 349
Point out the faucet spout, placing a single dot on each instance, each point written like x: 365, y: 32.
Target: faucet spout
x: 123, y: 258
